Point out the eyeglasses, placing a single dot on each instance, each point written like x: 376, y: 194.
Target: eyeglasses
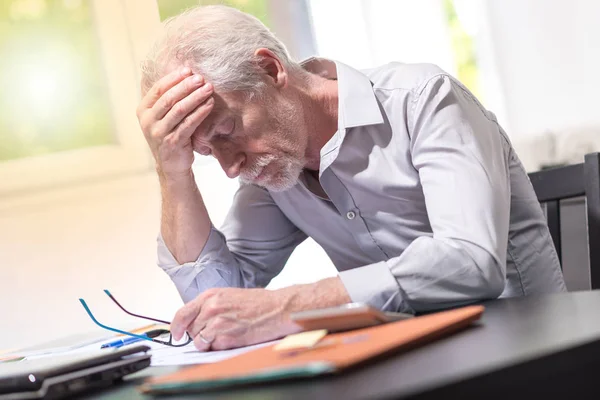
x: 180, y: 343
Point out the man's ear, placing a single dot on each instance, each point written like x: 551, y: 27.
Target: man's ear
x: 274, y: 70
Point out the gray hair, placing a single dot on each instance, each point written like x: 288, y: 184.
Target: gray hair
x: 218, y: 42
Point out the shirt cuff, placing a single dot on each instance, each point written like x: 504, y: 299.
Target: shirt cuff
x: 376, y: 286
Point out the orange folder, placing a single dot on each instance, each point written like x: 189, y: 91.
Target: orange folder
x: 334, y: 353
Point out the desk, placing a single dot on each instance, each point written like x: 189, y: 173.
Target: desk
x: 521, y: 348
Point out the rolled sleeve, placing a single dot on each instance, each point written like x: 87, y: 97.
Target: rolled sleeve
x: 248, y: 251
x: 208, y: 271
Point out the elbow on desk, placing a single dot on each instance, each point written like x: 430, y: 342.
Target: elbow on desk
x: 480, y: 268
x: 493, y: 277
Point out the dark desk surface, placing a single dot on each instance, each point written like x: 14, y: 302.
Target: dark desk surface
x: 549, y: 341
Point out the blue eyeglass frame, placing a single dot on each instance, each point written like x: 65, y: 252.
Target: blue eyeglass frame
x: 143, y: 337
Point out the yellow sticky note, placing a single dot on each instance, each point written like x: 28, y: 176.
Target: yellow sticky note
x: 301, y: 340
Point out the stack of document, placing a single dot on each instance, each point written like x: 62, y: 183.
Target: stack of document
x: 162, y: 355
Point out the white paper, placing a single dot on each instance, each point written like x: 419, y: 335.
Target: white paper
x: 164, y: 355
x: 68, y: 350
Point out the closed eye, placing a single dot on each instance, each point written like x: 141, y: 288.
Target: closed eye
x: 220, y: 133
x: 226, y: 127
x: 204, y: 151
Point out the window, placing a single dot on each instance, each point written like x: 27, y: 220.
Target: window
x: 69, y: 80
x: 258, y: 8
x: 53, y: 99
x: 365, y: 34
x: 463, y: 47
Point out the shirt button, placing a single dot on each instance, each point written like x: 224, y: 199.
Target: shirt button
x: 350, y: 215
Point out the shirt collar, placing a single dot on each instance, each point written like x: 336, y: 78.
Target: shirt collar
x: 357, y: 103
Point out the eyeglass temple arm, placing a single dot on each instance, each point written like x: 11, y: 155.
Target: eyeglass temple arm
x: 132, y: 314
x: 87, y: 309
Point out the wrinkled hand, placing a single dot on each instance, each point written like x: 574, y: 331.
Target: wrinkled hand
x: 170, y: 113
x: 232, y: 317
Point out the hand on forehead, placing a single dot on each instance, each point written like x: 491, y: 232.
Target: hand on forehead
x: 217, y: 115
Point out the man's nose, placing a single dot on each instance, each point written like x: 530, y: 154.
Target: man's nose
x: 232, y: 163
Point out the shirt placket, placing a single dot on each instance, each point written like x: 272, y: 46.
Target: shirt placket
x: 346, y: 207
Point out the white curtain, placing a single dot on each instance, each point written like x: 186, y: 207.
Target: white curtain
x: 368, y: 33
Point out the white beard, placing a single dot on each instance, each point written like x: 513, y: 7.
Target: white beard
x: 279, y: 180
x: 285, y: 167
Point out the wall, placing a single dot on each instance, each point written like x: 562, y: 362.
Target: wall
x: 366, y: 33
x: 547, y: 55
x: 71, y: 243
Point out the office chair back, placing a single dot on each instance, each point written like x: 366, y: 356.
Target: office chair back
x: 559, y: 190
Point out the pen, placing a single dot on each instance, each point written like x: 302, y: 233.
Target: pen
x: 121, y: 342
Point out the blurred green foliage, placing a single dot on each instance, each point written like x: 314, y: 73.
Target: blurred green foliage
x: 54, y: 94
x: 258, y: 8
x: 463, y: 48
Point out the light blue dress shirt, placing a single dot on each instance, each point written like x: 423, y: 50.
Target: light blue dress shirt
x: 427, y: 204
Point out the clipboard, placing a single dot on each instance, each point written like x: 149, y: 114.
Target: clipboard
x: 333, y: 354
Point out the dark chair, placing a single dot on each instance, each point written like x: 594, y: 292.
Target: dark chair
x: 561, y: 190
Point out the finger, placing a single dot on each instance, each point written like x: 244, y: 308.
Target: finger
x: 184, y: 317
x: 190, y: 123
x: 161, y: 86
x: 226, y: 342
x: 185, y: 106
x: 200, y: 344
x: 197, y: 326
x: 175, y: 94
x: 224, y: 332
x: 215, y: 330
x: 208, y: 312
x: 188, y: 314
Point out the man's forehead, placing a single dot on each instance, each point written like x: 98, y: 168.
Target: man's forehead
x: 217, y: 114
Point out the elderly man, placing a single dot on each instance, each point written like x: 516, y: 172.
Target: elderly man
x: 406, y: 181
